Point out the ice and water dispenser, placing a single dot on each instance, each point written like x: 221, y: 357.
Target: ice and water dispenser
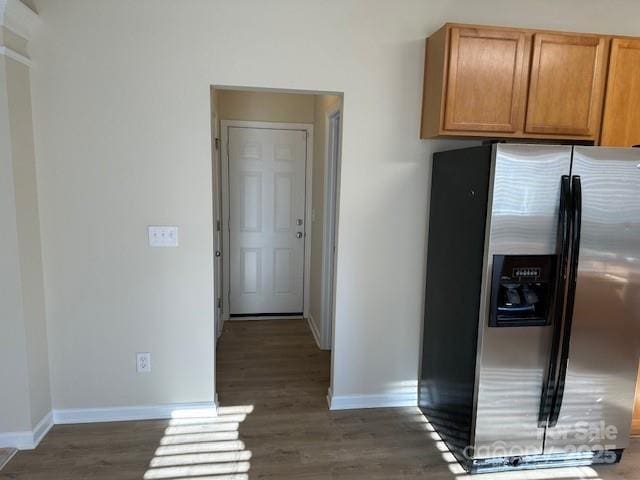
x: 522, y: 290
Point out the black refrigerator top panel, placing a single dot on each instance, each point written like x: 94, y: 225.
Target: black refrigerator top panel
x: 522, y: 289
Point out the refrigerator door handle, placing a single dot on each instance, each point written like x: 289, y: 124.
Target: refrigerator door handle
x: 576, y: 225
x: 562, y: 249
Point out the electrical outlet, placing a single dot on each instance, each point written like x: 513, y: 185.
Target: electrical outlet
x: 143, y: 362
x: 163, y: 236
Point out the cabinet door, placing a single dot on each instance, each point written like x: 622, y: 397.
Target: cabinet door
x: 567, y: 85
x: 486, y: 80
x: 621, y: 121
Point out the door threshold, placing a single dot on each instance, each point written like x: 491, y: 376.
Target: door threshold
x: 267, y: 316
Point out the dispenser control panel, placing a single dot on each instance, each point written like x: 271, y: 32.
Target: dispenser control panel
x: 527, y: 272
x: 522, y: 290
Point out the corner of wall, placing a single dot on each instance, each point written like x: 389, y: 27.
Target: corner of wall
x: 29, y: 406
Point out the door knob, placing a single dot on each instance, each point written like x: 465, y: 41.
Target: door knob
x: 218, y: 253
x: 299, y: 235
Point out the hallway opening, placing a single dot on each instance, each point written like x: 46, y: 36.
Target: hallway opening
x: 276, y: 169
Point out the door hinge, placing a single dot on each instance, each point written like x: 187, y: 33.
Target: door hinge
x: 217, y: 142
x: 219, y: 303
x: 217, y: 225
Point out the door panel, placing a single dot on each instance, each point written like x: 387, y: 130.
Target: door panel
x: 251, y: 270
x: 567, y: 82
x: 603, y: 356
x: 621, y: 121
x: 512, y: 361
x: 266, y: 213
x: 487, y: 78
x: 251, y: 201
x: 283, y: 187
x: 282, y: 271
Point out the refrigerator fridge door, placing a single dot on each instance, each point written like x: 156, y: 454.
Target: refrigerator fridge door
x: 513, y: 359
x: 602, y: 350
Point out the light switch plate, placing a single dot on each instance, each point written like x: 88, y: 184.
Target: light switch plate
x: 163, y: 236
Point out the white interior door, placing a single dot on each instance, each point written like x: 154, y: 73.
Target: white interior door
x: 266, y: 220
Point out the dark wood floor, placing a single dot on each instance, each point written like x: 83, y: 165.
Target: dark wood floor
x: 274, y: 424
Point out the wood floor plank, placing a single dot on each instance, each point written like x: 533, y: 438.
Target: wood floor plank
x: 275, y: 367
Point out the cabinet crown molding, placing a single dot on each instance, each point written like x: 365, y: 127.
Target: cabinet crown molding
x: 18, y: 18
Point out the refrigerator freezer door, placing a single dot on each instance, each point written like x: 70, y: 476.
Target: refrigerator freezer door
x: 603, y: 356
x: 512, y: 362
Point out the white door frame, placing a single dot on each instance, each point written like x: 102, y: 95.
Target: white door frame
x: 224, y: 127
x: 330, y: 225
x: 217, y: 220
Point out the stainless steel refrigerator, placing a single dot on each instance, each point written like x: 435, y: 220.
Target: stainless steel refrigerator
x: 532, y: 312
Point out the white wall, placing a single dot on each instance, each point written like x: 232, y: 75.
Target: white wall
x: 25, y: 396
x: 24, y: 376
x: 28, y: 234
x: 15, y: 415
x: 121, y: 100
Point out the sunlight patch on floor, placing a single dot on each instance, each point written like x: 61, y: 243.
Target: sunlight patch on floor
x: 202, y: 444
x: 237, y: 418
x: 222, y: 446
x: 202, y: 428
x: 199, y: 458
x: 198, y: 437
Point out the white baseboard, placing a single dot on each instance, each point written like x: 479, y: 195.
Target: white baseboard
x: 27, y: 440
x: 314, y: 331
x: 139, y: 412
x: 18, y: 57
x: 42, y: 428
x: 220, y: 327
x: 404, y: 398
x: 19, y: 440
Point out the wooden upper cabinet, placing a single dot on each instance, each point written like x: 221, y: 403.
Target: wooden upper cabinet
x: 516, y: 83
x: 567, y: 85
x: 486, y: 82
x: 621, y: 120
